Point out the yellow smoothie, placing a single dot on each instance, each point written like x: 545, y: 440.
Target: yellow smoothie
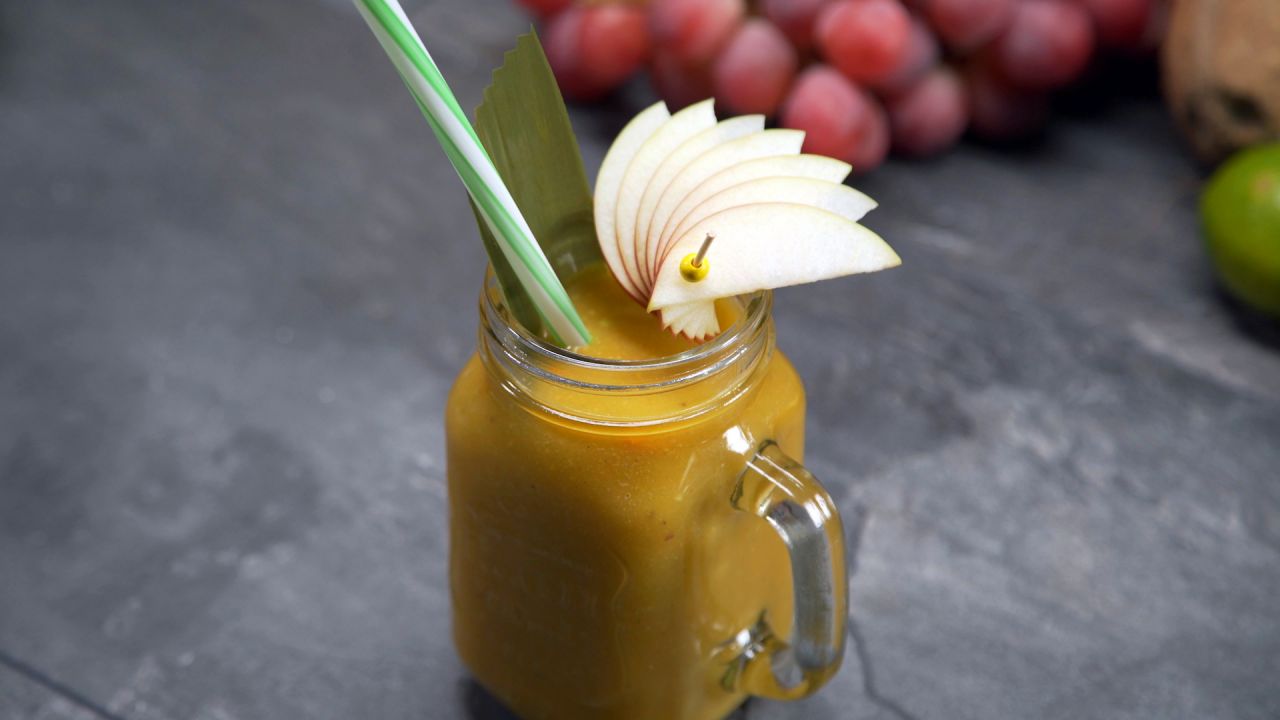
x: 596, y: 562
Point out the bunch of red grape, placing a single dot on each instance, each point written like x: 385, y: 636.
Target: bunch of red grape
x: 859, y: 76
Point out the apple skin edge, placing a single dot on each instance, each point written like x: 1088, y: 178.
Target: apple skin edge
x: 839, y: 199
x: 780, y: 218
x: 817, y: 167
x: 675, y: 164
x: 609, y: 180
x: 661, y: 143
x: 775, y: 143
x: 770, y: 245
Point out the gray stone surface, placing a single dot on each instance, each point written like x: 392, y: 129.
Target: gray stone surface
x: 26, y: 694
x: 237, y: 277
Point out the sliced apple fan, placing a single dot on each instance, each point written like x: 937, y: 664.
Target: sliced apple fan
x: 779, y: 218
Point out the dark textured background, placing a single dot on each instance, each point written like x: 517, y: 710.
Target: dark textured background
x: 237, y: 276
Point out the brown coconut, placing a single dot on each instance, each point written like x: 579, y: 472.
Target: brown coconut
x: 1221, y: 63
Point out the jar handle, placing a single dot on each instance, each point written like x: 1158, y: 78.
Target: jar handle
x: 779, y: 490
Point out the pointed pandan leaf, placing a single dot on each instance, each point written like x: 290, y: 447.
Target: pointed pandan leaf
x: 524, y: 126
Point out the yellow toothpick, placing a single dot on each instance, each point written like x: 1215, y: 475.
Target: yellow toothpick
x: 693, y: 268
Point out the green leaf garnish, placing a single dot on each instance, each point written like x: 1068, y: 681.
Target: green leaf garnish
x: 524, y: 126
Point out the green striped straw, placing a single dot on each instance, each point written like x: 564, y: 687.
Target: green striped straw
x: 438, y: 105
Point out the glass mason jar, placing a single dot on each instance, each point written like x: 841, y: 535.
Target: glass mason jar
x: 633, y: 539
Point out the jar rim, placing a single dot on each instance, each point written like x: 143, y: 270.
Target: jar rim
x: 742, y: 340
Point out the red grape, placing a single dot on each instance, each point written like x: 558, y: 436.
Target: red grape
x: 964, y: 25
x: 999, y: 112
x: 614, y: 42
x: 796, y: 19
x: 922, y: 54
x: 676, y: 81
x: 544, y: 8
x: 864, y: 39
x: 593, y: 49
x: 564, y: 54
x: 1047, y: 44
x: 1120, y: 23
x: 872, y: 146
x: 694, y: 30
x: 830, y: 109
x: 755, y: 69
x: 930, y: 116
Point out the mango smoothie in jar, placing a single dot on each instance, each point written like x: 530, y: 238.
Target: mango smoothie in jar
x: 620, y: 517
x: 632, y: 535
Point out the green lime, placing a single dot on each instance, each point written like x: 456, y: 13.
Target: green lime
x: 1240, y: 213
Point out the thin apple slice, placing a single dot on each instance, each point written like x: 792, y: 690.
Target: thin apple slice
x: 718, y: 134
x: 768, y: 143
x: 609, y: 179
x: 832, y: 197
x: 669, y: 316
x: 769, y: 245
x: 818, y: 167
x: 696, y: 320
x: 680, y: 127
x: 701, y: 321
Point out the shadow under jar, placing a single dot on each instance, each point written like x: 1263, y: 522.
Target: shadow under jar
x: 632, y: 539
